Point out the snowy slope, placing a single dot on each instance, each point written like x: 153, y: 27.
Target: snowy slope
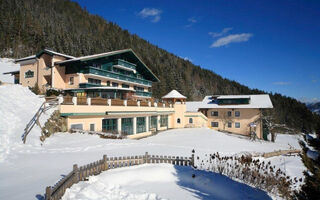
x: 17, y: 106
x: 7, y: 65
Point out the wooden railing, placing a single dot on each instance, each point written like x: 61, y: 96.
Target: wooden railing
x: 144, y: 103
x: 81, y: 100
x: 132, y: 103
x: 106, y: 163
x: 117, y: 102
x: 99, y: 101
x: 35, y: 119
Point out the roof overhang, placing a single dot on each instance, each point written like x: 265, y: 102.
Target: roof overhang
x: 12, y: 72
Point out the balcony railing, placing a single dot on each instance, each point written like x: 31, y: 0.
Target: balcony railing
x: 125, y: 64
x: 88, y: 85
x: 145, y: 94
x: 108, y: 74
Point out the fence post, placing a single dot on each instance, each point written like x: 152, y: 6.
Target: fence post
x: 74, y: 100
x: 89, y: 101
x: 192, y: 158
x: 105, y: 164
x: 48, y: 193
x: 76, y: 173
x: 146, y: 160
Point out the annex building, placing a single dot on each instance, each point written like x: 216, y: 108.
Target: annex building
x: 111, y: 92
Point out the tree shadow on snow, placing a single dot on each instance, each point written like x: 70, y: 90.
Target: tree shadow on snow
x: 209, y: 185
x: 40, y: 197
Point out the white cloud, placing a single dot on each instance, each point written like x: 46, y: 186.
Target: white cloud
x: 223, y: 32
x: 281, y: 83
x: 191, y: 20
x: 233, y: 38
x: 153, y: 13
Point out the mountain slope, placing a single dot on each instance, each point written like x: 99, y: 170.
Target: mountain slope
x: 314, y: 107
x: 28, y: 26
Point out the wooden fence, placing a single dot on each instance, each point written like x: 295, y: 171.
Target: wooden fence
x: 106, y: 163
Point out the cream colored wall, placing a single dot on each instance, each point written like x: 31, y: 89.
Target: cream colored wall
x: 246, y: 117
x: 76, y: 81
x: 45, y: 63
x: 198, y: 119
x: 179, y: 109
x: 28, y: 82
x: 103, y: 109
x: 86, y: 121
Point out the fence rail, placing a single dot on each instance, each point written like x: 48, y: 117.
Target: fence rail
x: 82, y: 173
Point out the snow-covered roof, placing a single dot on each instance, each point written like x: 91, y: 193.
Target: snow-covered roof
x: 93, y: 56
x: 174, y: 94
x: 41, y: 52
x: 256, y: 101
x: 59, y: 54
x: 233, y: 97
x: 25, y: 58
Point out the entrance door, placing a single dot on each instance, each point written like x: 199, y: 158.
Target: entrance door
x: 109, y: 125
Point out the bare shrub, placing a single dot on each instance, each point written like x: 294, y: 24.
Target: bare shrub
x: 259, y: 174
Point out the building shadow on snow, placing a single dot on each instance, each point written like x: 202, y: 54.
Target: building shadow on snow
x: 209, y: 185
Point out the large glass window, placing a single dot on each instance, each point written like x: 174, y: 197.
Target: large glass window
x: 214, y: 113
x: 141, y: 124
x: 215, y: 124
x: 163, y: 120
x: 153, y: 122
x: 109, y: 125
x: 237, y: 113
x: 94, y: 81
x: 77, y: 126
x: 125, y: 86
x: 127, y: 126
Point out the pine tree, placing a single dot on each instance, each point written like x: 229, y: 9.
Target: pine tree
x: 311, y: 159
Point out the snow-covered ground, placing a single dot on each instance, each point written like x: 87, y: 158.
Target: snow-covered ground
x: 25, y: 170
x: 161, y: 181
x: 7, y: 65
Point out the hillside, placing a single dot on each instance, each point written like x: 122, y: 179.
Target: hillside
x: 65, y: 27
x: 314, y: 107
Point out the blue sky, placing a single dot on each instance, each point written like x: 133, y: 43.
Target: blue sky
x: 269, y: 45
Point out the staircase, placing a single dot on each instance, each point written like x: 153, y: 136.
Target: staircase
x: 35, y: 119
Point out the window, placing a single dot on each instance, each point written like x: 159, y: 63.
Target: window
x: 215, y: 124
x: 127, y: 126
x: 71, y: 80
x: 29, y: 74
x: 229, y: 124
x: 94, y: 81
x: 178, y: 121
x: 190, y: 120
x: 108, y: 83
x: 109, y: 125
x: 95, y: 65
x: 92, y: 127
x: 163, y: 120
x: 214, y: 113
x: 237, y: 113
x: 77, y: 126
x: 115, y: 84
x: 139, y: 88
x: 229, y: 113
x: 141, y: 124
x: 237, y: 124
x: 153, y: 121
x: 125, y: 86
